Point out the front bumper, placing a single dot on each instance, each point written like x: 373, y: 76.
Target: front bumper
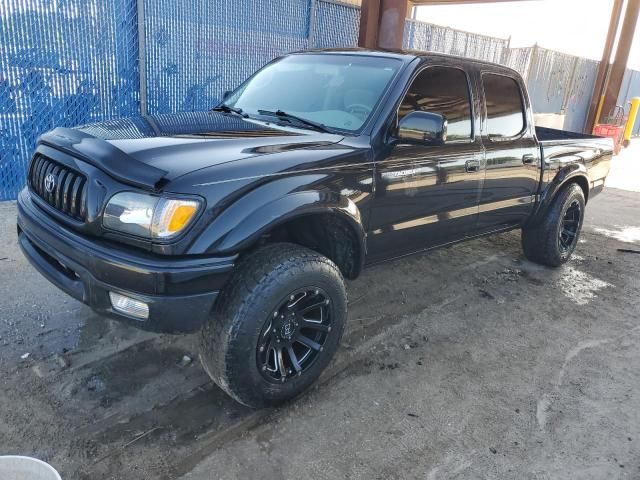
x: 180, y: 292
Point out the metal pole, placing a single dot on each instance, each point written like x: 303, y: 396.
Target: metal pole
x: 369, y: 23
x: 595, y: 108
x: 506, y: 49
x: 393, y: 14
x: 619, y: 66
x: 534, y: 57
x: 312, y: 23
x: 142, y: 64
x: 570, y: 85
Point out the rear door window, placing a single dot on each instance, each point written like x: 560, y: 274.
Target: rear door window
x: 505, y: 111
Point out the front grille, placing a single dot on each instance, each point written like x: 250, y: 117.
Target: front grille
x: 59, y: 186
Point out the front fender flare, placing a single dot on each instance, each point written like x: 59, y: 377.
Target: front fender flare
x: 239, y: 227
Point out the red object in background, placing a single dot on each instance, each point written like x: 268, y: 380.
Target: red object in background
x: 611, y: 131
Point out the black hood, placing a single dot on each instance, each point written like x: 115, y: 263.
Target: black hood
x: 148, y: 150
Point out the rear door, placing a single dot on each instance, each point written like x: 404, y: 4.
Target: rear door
x: 428, y: 194
x: 512, y: 157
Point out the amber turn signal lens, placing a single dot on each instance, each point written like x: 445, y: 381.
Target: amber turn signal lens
x: 180, y: 217
x: 173, y: 216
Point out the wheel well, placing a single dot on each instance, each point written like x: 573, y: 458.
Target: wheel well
x: 325, y: 233
x: 582, y: 183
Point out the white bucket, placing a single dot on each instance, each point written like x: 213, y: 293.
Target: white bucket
x: 26, y: 468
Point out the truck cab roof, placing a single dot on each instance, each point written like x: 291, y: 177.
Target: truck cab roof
x: 406, y: 56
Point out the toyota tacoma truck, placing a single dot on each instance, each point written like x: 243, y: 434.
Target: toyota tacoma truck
x: 244, y: 221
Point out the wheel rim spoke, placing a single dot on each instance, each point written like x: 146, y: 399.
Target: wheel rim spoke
x: 297, y: 300
x: 306, y: 341
x: 570, y: 227
x: 315, y: 325
x: 281, y: 367
x: 294, y: 359
x: 294, y: 334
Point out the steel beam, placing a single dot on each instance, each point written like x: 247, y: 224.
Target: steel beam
x: 603, y: 69
x: 460, y: 2
x: 382, y: 23
x: 619, y: 66
x: 369, y: 24
x: 393, y: 14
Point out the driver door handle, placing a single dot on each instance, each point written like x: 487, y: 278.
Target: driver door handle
x: 528, y: 159
x: 472, y: 166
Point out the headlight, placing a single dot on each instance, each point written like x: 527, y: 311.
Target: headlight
x: 149, y: 216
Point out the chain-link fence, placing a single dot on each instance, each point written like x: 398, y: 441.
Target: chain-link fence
x: 62, y: 63
x: 69, y: 62
x: 434, y: 38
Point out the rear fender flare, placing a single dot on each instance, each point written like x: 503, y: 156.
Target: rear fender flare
x: 574, y: 172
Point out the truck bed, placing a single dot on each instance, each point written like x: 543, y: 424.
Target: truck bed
x: 553, y: 136
x: 562, y: 150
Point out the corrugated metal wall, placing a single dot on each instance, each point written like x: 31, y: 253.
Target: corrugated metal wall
x: 630, y: 88
x: 69, y: 62
x: 557, y: 83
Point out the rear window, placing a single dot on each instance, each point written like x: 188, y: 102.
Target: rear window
x: 505, y: 112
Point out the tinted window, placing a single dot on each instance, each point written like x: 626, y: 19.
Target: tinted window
x: 339, y: 91
x: 444, y: 91
x: 505, y: 113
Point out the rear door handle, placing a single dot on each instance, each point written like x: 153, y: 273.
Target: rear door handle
x: 472, y: 166
x: 528, y: 159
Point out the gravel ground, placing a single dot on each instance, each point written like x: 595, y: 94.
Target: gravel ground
x: 465, y: 362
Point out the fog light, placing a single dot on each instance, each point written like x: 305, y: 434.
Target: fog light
x: 129, y: 306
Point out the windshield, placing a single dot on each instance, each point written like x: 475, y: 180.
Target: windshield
x: 336, y: 91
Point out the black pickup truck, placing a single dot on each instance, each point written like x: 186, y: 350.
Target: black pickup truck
x: 244, y: 221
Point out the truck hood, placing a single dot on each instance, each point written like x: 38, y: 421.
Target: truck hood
x: 149, y: 151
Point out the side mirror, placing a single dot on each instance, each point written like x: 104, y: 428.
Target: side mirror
x: 423, y: 127
x: 226, y: 95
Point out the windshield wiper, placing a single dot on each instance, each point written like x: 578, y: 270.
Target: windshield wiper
x: 288, y: 116
x: 227, y: 109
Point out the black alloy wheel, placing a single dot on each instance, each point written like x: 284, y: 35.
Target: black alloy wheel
x: 568, y: 232
x: 551, y: 239
x: 294, y: 335
x: 276, y: 325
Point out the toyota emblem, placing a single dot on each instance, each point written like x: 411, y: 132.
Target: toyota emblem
x: 49, y: 183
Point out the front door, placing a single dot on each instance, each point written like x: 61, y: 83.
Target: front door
x: 427, y: 195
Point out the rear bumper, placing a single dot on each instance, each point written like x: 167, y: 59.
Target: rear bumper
x: 180, y: 292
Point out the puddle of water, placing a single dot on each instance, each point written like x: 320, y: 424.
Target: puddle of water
x: 580, y: 287
x: 623, y: 234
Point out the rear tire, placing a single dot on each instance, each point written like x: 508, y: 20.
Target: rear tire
x: 281, y: 298
x: 553, y: 240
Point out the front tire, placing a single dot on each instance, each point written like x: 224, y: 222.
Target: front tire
x: 554, y: 239
x: 276, y: 325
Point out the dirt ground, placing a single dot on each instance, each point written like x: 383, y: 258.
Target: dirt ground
x: 465, y: 362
